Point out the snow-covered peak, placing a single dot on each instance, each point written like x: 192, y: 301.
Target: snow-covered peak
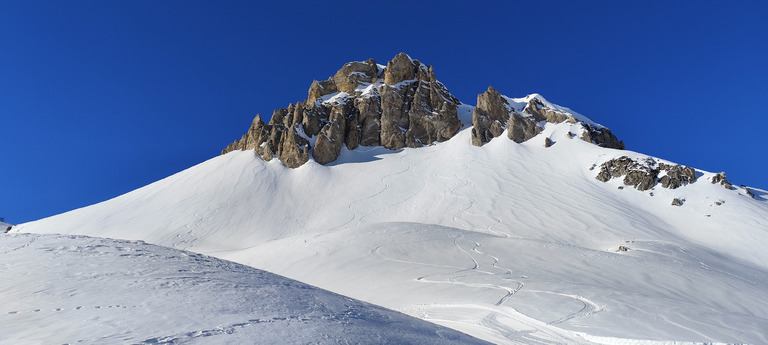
x: 532, y: 238
x: 521, y: 103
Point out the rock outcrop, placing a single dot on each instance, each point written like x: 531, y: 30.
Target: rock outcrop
x: 523, y: 119
x: 520, y: 128
x: 541, y: 112
x: 400, y: 105
x: 331, y: 138
x: 601, y: 137
x: 644, y: 174
x: 490, y: 116
x: 720, y: 178
x: 676, y: 175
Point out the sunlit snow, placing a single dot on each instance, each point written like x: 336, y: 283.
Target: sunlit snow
x: 510, y: 243
x: 74, y: 289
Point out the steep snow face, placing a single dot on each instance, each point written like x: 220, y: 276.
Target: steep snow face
x: 512, y: 243
x: 73, y: 289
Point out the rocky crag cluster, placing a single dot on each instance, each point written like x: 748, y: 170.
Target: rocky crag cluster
x: 398, y: 105
x: 720, y: 178
x: 494, y: 113
x: 644, y: 174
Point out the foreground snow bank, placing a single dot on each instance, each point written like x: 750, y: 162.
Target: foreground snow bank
x: 511, y: 243
x: 71, y: 289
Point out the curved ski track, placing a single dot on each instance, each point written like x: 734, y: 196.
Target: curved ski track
x: 540, y: 332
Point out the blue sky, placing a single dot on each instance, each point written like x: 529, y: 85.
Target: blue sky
x: 98, y: 98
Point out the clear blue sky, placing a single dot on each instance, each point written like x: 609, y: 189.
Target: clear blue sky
x: 98, y: 98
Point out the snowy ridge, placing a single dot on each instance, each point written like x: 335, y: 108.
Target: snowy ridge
x: 519, y: 104
x: 511, y: 243
x: 75, y: 289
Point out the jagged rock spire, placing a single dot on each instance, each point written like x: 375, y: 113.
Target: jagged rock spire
x: 398, y: 105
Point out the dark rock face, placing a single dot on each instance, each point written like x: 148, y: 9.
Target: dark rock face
x: 489, y: 119
x: 521, y: 128
x: 601, y: 137
x: 400, y: 105
x: 394, y: 116
x: 370, y: 119
x: 643, y: 175
x: 677, y: 202
x: 677, y: 175
x: 294, y: 151
x: 331, y: 138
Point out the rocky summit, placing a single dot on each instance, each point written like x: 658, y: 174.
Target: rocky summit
x: 398, y: 105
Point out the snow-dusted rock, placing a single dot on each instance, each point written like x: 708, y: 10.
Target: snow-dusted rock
x: 400, y: 105
x: 720, y: 178
x: 643, y: 174
x: 331, y: 138
x: 294, y: 150
x: 601, y: 136
x: 520, y: 128
x: 354, y: 74
x: 489, y: 119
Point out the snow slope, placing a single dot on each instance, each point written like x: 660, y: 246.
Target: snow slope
x: 4, y: 227
x: 72, y: 289
x: 511, y: 243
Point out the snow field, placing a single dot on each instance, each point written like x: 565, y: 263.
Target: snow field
x: 511, y: 243
x: 76, y: 289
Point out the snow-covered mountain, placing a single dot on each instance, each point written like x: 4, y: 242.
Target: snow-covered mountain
x: 537, y: 233
x: 60, y: 289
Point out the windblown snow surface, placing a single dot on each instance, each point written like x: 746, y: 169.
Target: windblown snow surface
x: 510, y: 243
x: 60, y: 289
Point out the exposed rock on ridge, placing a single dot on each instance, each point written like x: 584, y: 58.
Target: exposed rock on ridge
x: 644, y: 175
x: 720, y: 178
x: 400, y: 105
x: 489, y: 119
x: 601, y: 137
x: 525, y: 119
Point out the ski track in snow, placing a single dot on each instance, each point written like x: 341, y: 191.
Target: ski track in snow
x: 376, y: 195
x: 77, y: 289
x: 539, y: 334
